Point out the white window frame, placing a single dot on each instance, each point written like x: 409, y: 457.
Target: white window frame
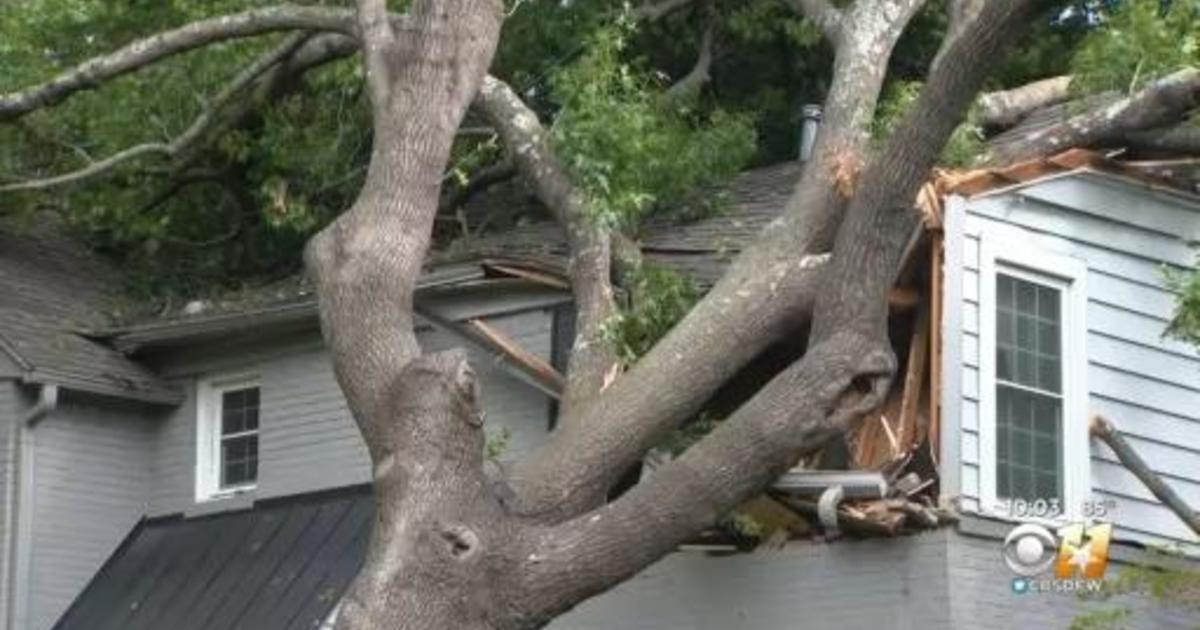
x: 209, y: 393
x: 1019, y: 259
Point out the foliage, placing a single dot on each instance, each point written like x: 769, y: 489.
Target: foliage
x: 1140, y: 41
x: 965, y: 143
x: 237, y: 209
x: 1103, y: 619
x: 497, y: 442
x: 1185, y: 323
x: 1171, y: 586
x: 684, y: 437
x: 658, y: 298
x: 630, y: 145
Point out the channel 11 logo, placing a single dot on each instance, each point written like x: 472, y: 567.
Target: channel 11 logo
x: 1079, y: 556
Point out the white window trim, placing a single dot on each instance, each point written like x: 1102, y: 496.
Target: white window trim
x: 1069, y: 275
x: 208, y: 435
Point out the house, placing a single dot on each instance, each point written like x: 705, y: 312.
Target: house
x: 199, y: 469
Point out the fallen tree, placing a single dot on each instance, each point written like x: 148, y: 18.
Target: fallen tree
x: 459, y: 546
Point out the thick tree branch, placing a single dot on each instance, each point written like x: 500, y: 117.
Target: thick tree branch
x: 196, y: 133
x: 698, y: 76
x: 1163, y: 102
x: 593, y: 362
x: 143, y: 52
x: 845, y: 373
x: 1183, y: 139
x: 1005, y: 108
x: 377, y: 39
x: 768, y: 292
x: 365, y: 264
x: 1103, y: 429
x: 437, y: 518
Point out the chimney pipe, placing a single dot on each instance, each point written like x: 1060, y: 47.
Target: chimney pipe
x: 810, y: 116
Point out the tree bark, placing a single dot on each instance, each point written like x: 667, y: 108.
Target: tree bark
x: 141, y: 53
x: 1005, y: 108
x: 438, y: 522
x: 1161, y: 103
x: 451, y: 548
x: 767, y: 293
x: 593, y: 361
x: 1104, y: 430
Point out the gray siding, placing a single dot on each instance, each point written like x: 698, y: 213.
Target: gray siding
x: 308, y: 440
x: 10, y: 410
x: 1150, y: 386
x: 932, y: 581
x: 91, y: 475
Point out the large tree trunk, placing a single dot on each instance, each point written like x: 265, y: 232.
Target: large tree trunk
x: 438, y: 526
x: 456, y: 548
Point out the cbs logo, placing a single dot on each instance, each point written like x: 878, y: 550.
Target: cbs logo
x: 1030, y: 550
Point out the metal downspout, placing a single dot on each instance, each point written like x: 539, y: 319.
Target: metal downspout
x: 20, y: 490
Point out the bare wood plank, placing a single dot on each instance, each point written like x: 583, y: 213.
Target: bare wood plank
x: 538, y: 366
x: 903, y: 298
x: 914, y: 378
x: 1103, y: 429
x: 935, y: 345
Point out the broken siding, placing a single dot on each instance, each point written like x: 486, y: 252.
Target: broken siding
x: 1149, y: 386
x: 308, y: 440
x: 90, y: 473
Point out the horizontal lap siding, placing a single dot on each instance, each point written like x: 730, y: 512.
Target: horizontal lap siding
x: 308, y: 439
x: 10, y: 410
x: 1148, y: 385
x: 898, y: 583
x: 91, y: 475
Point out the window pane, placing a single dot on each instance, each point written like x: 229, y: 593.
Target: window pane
x: 1028, y: 334
x: 1028, y: 444
x: 239, y: 410
x: 239, y: 460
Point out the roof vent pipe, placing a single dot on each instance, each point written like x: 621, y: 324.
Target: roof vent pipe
x: 810, y: 122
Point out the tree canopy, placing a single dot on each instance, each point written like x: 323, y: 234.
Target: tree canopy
x: 279, y: 159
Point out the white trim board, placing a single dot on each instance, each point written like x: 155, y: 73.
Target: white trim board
x: 1070, y: 275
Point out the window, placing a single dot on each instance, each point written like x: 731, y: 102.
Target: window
x: 227, y: 441
x: 1033, y: 443
x: 1029, y: 405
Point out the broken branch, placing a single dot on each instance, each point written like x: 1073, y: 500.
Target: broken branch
x: 1004, y: 108
x: 1104, y: 430
x: 193, y: 135
x: 1163, y: 102
x: 143, y: 52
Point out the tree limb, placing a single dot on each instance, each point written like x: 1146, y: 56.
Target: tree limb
x: 1103, y: 429
x: 845, y: 373
x: 1163, y: 102
x: 593, y: 361
x: 1004, y: 108
x: 1183, y: 138
x: 144, y: 52
x: 698, y: 76
x: 196, y: 133
x: 766, y: 294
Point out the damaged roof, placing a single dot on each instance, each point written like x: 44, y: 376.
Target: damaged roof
x: 50, y: 288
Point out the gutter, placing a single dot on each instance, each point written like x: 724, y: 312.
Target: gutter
x: 19, y: 520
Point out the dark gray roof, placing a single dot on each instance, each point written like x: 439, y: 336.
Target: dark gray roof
x: 50, y: 289
x: 701, y: 248
x: 282, y: 565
